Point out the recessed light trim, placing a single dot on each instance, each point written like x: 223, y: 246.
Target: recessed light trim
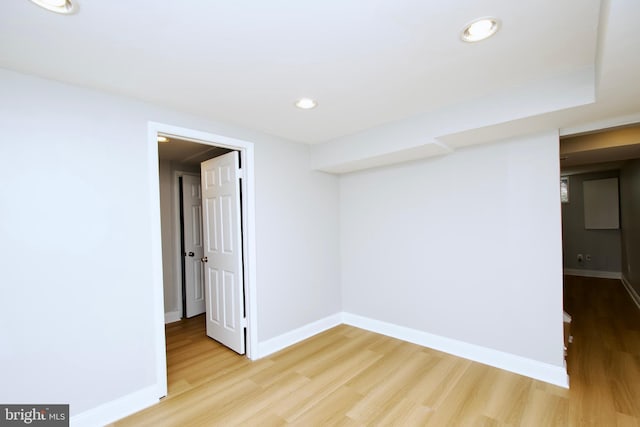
x: 480, y: 29
x: 306, y: 103
x: 162, y: 138
x: 64, y: 7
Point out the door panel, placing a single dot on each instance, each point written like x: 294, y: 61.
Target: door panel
x: 193, y: 247
x: 224, y: 284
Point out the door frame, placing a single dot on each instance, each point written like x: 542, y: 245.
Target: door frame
x: 246, y: 150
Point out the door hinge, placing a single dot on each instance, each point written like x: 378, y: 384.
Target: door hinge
x: 240, y: 174
x: 243, y: 322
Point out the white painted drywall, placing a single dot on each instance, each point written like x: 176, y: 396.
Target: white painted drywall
x: 466, y: 246
x: 297, y: 220
x: 75, y: 266
x: 485, y: 119
x: 171, y: 298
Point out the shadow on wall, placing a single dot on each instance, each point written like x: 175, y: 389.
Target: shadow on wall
x: 629, y: 213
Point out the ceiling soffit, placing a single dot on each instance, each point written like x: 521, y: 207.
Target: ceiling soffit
x: 392, y: 79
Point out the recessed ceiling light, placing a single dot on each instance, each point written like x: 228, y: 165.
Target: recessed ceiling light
x: 163, y: 139
x: 480, y: 29
x: 59, y: 6
x: 306, y: 103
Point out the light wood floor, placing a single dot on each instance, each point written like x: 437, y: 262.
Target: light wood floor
x: 347, y: 376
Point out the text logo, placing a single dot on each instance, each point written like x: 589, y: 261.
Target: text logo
x: 34, y: 415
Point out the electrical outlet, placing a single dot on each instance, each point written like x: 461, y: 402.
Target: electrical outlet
x: 587, y: 257
x: 579, y: 257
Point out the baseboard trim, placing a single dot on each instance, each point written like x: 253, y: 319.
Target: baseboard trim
x: 293, y: 337
x: 632, y: 292
x: 172, y: 316
x: 552, y: 374
x: 137, y: 401
x: 117, y: 409
x: 593, y: 273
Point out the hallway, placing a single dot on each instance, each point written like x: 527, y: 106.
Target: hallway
x: 604, y: 358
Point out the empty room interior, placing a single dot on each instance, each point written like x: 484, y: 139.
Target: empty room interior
x: 312, y: 213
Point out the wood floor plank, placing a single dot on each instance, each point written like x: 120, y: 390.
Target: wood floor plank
x: 327, y: 382
x: 393, y: 389
x: 546, y: 409
x: 405, y: 412
x: 256, y: 408
x: 508, y: 399
x: 329, y: 409
x: 471, y: 395
x: 350, y: 377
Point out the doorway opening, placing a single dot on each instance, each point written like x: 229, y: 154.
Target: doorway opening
x: 597, y: 169
x: 181, y: 223
x: 183, y: 160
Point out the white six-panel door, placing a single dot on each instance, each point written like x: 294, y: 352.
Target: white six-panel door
x: 193, y: 245
x: 223, y: 278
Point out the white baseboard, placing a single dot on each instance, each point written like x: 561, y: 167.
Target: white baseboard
x: 117, y: 409
x: 556, y: 375
x: 593, y: 273
x: 134, y: 402
x: 632, y: 292
x: 172, y: 316
x: 287, y: 339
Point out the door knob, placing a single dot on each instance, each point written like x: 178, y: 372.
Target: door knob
x: 191, y: 254
x: 204, y: 259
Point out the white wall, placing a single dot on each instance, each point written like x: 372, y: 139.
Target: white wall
x: 465, y: 246
x: 77, y: 319
x: 297, y: 219
x: 171, y: 298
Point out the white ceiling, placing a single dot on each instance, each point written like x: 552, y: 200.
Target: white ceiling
x: 371, y: 64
